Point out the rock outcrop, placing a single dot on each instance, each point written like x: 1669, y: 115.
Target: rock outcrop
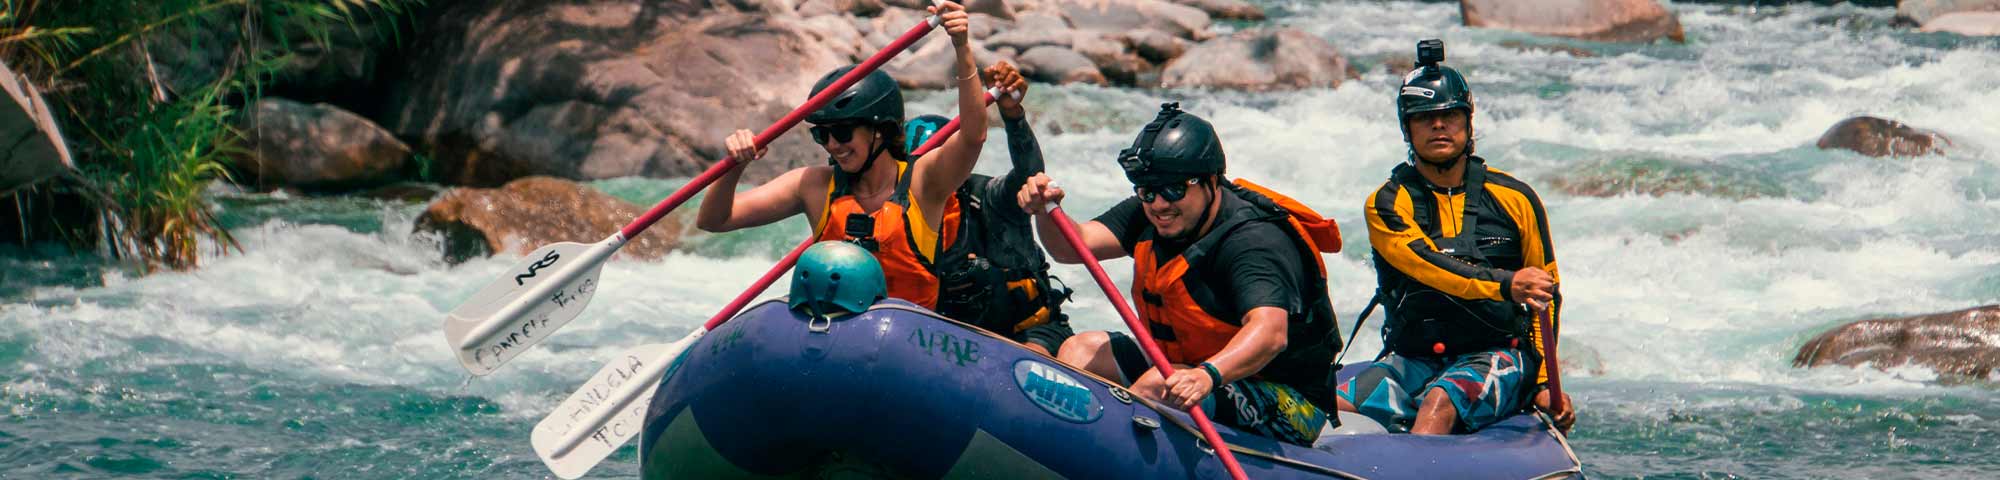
x: 1964, y: 343
x: 528, y: 213
x: 1881, y: 137
x: 1595, y: 20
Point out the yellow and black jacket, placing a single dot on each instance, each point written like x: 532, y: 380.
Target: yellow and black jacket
x: 1444, y: 260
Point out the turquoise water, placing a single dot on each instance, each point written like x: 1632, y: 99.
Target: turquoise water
x: 316, y: 353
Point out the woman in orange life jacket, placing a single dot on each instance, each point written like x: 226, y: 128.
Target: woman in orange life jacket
x: 870, y: 192
x: 1227, y: 277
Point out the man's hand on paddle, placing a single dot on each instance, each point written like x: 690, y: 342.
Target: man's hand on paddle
x: 1565, y: 418
x: 956, y: 22
x: 1534, y: 287
x: 1184, y: 390
x: 1012, y: 87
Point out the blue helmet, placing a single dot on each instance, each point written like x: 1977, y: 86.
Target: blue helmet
x: 837, y: 276
x: 918, y: 130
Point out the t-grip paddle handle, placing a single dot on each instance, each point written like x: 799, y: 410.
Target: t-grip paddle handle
x: 1140, y: 333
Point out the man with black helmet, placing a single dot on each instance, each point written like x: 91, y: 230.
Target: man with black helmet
x: 1463, y: 264
x: 870, y: 192
x: 1227, y: 276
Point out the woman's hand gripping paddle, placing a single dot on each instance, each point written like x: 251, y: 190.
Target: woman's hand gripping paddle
x: 538, y: 296
x: 610, y: 408
x: 1140, y: 333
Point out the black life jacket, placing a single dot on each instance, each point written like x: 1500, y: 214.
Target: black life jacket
x: 1422, y: 318
x: 995, y: 275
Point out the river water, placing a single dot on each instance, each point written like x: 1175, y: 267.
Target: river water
x: 316, y: 352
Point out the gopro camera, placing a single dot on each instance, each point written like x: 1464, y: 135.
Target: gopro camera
x: 861, y: 231
x: 1430, y: 52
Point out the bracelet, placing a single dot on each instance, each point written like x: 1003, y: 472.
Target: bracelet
x: 1213, y: 374
x: 975, y: 73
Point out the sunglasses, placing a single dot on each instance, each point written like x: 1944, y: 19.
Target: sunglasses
x: 841, y: 133
x: 1172, y: 191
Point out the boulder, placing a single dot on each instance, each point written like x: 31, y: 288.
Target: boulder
x: 316, y: 147
x: 996, y: 8
x: 605, y: 88
x: 35, y: 149
x: 1259, y: 60
x: 1125, y: 15
x: 1644, y: 174
x: 860, y: 8
x: 1964, y: 343
x: 1881, y: 137
x: 1595, y: 20
x: 528, y: 213
x: 1226, y: 9
x: 1971, y: 24
x: 1059, y: 65
x: 930, y: 66
x: 1921, y: 12
x: 1156, y: 46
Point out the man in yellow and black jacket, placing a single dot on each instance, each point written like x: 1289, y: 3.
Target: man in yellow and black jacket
x: 1464, y: 265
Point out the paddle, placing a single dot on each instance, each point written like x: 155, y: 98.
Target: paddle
x: 542, y: 293
x: 1139, y: 332
x: 610, y: 408
x: 1549, y: 359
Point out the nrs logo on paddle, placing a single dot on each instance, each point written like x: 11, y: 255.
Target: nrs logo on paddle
x: 1057, y: 392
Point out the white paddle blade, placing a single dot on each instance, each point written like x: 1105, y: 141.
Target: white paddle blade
x: 531, y: 300
x: 607, y: 411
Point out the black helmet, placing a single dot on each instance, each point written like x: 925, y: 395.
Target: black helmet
x: 874, y: 100
x: 1176, y: 145
x: 1431, y: 87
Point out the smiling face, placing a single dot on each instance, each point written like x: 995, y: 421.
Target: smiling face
x: 1176, y: 218
x: 852, y: 154
x: 1440, y: 136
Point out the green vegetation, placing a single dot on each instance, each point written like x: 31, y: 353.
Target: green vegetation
x: 149, y: 146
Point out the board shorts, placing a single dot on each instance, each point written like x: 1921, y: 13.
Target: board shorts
x: 1485, y: 387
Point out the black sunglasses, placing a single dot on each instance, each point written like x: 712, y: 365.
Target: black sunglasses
x: 1172, y: 191
x: 840, y: 133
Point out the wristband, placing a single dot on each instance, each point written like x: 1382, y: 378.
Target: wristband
x: 1214, y: 376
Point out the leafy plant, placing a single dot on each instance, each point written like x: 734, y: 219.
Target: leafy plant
x: 148, y: 149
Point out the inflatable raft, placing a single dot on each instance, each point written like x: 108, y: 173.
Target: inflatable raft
x: 900, y: 392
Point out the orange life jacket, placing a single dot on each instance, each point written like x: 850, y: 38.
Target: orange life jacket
x: 905, y: 253
x: 1187, y: 333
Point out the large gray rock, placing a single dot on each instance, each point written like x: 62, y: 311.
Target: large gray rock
x: 1881, y: 137
x: 1156, y: 46
x: 35, y: 148
x: 1059, y: 65
x: 1595, y: 20
x: 316, y: 147
x: 1226, y: 9
x: 1964, y: 343
x: 606, y: 88
x: 528, y: 213
x: 1258, y: 60
x: 1920, y: 12
x: 1972, y: 24
x: 1125, y: 15
x: 931, y: 66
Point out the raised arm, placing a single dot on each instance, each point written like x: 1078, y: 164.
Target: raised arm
x: 941, y: 171
x: 722, y: 210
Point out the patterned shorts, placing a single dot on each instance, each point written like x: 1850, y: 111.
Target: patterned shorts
x: 1485, y: 387
x: 1258, y: 406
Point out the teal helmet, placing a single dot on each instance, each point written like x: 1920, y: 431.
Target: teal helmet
x: 1176, y: 145
x: 918, y: 130
x: 1431, y: 87
x: 837, y: 276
